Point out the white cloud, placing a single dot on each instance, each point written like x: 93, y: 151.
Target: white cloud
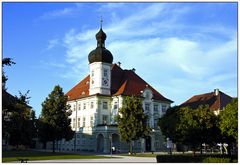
x: 67, y: 11
x: 177, y: 65
x: 52, y: 43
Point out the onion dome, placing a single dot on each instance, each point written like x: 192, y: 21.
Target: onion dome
x: 100, y: 54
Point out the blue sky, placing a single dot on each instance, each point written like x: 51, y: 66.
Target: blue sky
x: 181, y: 49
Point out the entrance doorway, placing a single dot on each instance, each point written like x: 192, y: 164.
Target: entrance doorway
x: 100, y: 143
x: 148, y: 143
x: 116, y: 142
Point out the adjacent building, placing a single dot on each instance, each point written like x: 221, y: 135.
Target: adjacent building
x: 216, y: 101
x: 96, y: 99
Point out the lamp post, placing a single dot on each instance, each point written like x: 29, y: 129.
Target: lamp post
x: 110, y: 137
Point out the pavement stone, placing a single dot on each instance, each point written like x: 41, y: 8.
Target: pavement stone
x: 115, y: 159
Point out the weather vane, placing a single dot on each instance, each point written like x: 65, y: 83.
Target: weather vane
x: 101, y: 22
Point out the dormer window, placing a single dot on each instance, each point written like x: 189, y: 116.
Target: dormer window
x: 147, y: 95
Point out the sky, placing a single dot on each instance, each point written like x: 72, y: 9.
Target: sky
x: 181, y: 49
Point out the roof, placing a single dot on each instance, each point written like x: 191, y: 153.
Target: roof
x: 123, y: 82
x: 215, y: 102
x: 8, y: 100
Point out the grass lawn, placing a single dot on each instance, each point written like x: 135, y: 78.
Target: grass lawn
x: 9, y: 156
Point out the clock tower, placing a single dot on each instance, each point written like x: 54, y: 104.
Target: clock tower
x: 100, y: 62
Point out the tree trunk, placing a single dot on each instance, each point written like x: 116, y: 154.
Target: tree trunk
x: 130, y: 147
x: 53, y: 146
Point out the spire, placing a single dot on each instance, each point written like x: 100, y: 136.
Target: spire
x: 101, y: 36
x: 101, y: 22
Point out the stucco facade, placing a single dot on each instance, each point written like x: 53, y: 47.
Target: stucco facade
x: 96, y: 100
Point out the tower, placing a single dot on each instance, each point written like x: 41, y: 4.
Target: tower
x: 100, y: 62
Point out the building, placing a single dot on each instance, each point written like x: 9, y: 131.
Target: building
x: 96, y: 99
x: 216, y: 101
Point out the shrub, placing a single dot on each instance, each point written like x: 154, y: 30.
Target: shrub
x: 187, y: 158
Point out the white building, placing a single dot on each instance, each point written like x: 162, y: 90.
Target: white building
x: 95, y: 102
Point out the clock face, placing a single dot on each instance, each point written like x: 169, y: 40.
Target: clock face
x: 105, y: 81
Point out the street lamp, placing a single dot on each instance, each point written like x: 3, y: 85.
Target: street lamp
x: 110, y: 137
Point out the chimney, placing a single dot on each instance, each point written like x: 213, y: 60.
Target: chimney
x: 119, y: 64
x: 133, y: 69
x: 216, y: 92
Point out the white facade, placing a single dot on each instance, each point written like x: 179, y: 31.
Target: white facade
x: 100, y: 78
x: 93, y: 116
x: 93, y: 119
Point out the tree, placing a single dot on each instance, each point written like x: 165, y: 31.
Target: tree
x: 21, y: 129
x: 54, y: 120
x: 132, y: 122
x: 228, y: 123
x: 190, y: 127
x: 197, y: 126
x: 169, y: 130
x: 6, y: 62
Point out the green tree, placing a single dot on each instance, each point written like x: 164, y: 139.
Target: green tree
x: 197, y: 126
x: 190, y: 127
x: 54, y: 120
x: 228, y: 123
x: 169, y: 130
x: 21, y: 129
x: 6, y: 62
x: 132, y: 122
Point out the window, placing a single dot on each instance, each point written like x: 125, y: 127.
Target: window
x: 92, y: 73
x: 147, y: 107
x: 84, y: 105
x: 104, y: 119
x: 155, y: 123
x: 105, y: 73
x: 78, y: 125
x: 92, y: 81
x: 105, y: 105
x: 92, y: 105
x: 148, y: 122
x: 74, y: 107
x: 79, y: 106
x: 91, y: 121
x: 115, y: 105
x: 164, y: 108
x: 84, y: 121
x: 74, y: 123
x: 147, y: 95
x: 156, y: 108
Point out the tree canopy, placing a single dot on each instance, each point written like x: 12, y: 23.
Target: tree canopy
x: 132, y: 122
x: 54, y: 121
x: 188, y: 126
x: 229, y: 120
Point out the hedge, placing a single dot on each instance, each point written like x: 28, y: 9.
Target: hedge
x: 188, y: 158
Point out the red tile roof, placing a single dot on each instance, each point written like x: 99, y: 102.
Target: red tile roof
x: 215, y: 102
x: 123, y: 82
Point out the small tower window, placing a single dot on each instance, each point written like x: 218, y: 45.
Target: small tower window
x: 105, y: 73
x: 92, y: 73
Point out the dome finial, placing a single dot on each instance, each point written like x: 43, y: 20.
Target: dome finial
x: 101, y: 22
